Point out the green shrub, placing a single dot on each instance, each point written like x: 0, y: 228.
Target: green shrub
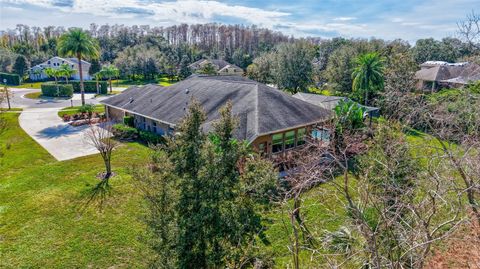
x: 128, y: 120
x: 52, y: 90
x: 150, y: 137
x: 89, y: 86
x: 124, y: 132
x: 87, y: 108
x: 12, y: 79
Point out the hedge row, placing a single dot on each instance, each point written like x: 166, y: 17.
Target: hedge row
x: 89, y: 86
x: 52, y: 90
x: 125, y: 132
x: 12, y: 79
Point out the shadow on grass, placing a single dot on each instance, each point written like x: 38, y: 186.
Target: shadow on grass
x: 96, y: 196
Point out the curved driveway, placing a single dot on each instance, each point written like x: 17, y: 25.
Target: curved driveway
x: 40, y: 120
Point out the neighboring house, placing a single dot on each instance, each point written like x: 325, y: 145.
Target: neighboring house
x: 270, y: 120
x: 435, y: 75
x: 330, y: 102
x: 222, y: 67
x: 37, y: 72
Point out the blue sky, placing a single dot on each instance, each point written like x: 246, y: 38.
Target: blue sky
x: 389, y: 19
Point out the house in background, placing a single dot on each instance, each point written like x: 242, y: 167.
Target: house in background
x: 435, y: 75
x: 222, y: 67
x: 37, y: 72
x: 270, y: 120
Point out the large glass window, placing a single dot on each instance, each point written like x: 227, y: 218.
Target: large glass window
x: 301, y: 136
x: 277, y: 143
x: 290, y: 139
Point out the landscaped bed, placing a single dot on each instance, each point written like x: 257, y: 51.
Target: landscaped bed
x: 82, y: 115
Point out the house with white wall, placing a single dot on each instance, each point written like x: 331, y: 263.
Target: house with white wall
x: 37, y: 72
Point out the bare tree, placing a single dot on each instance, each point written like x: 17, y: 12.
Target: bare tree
x: 469, y: 30
x: 396, y: 204
x: 100, y: 136
x: 6, y: 96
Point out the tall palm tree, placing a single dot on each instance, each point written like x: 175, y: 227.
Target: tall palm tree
x: 79, y: 44
x: 110, y: 71
x: 66, y: 71
x: 368, y: 74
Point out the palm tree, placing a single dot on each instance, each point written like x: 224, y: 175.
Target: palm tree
x: 66, y: 71
x: 109, y: 72
x: 53, y: 73
x: 368, y: 74
x: 79, y: 44
x: 98, y: 76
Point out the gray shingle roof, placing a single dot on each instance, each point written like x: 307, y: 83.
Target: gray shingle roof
x: 470, y: 73
x: 260, y: 109
x: 438, y: 73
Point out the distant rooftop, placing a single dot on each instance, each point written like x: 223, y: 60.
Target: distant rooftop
x: 436, y: 63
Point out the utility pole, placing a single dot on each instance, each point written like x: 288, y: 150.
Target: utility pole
x: 6, y: 93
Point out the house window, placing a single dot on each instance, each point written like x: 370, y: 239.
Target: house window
x: 48, y: 62
x: 154, y: 127
x: 290, y: 139
x: 300, y: 137
x: 262, y: 148
x: 277, y: 143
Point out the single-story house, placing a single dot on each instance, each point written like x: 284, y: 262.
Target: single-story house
x: 270, y: 120
x: 37, y: 72
x: 330, y: 102
x: 222, y: 67
x: 435, y: 75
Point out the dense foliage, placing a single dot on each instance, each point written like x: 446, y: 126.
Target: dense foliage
x: 203, y: 209
x: 52, y: 90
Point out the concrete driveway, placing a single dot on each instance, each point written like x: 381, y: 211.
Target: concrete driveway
x: 60, y: 139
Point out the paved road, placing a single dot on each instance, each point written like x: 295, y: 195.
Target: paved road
x: 20, y: 101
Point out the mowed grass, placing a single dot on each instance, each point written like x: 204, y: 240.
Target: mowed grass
x: 321, y: 211
x: 33, y: 95
x: 45, y: 221
x: 162, y: 81
x: 29, y: 85
x: 74, y: 110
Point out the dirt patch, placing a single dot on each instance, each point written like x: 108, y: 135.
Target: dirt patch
x: 462, y: 250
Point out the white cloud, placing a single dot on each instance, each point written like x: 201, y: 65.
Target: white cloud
x: 344, y: 19
x: 434, y: 18
x: 181, y: 11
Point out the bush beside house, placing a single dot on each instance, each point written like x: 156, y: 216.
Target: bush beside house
x: 124, y: 132
x: 12, y: 79
x: 60, y: 90
x: 89, y: 86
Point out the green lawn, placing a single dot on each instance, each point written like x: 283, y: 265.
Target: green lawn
x: 321, y: 210
x: 108, y: 93
x: 43, y: 219
x: 74, y: 110
x: 34, y: 95
x: 44, y: 222
x: 30, y: 85
x: 162, y: 81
